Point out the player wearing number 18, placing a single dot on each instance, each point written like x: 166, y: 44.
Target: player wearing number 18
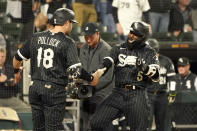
x: 51, y: 52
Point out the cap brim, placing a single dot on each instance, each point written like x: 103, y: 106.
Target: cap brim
x: 87, y: 33
x: 182, y: 64
x: 74, y: 21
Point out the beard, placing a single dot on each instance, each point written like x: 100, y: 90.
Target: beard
x: 134, y: 43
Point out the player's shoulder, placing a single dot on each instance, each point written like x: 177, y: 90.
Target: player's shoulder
x: 165, y: 57
x: 69, y: 39
x: 40, y: 33
x: 148, y: 48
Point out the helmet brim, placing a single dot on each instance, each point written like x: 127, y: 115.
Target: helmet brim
x: 74, y: 21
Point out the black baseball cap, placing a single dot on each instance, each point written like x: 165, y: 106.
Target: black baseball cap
x: 183, y: 61
x: 90, y: 28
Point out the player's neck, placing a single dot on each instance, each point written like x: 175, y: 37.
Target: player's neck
x: 57, y: 29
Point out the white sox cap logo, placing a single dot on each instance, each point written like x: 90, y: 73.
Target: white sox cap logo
x: 87, y: 28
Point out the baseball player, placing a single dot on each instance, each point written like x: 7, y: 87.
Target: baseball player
x: 136, y: 64
x: 51, y: 52
x: 158, y: 92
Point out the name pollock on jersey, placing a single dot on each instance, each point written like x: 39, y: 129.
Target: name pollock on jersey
x: 48, y: 41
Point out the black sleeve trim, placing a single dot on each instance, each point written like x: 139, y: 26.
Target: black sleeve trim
x: 115, y: 14
x: 18, y: 57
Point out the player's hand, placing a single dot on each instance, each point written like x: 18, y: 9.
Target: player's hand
x: 17, y: 77
x: 3, y: 78
x: 95, y: 80
x: 97, y: 75
x: 150, y: 29
x: 171, y: 98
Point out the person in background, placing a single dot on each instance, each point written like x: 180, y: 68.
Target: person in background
x: 85, y: 11
x: 29, y: 7
x: 158, y: 92
x: 8, y: 86
x: 180, y: 18
x: 186, y: 80
x: 91, y: 54
x: 159, y: 15
x: 104, y: 12
x: 126, y: 12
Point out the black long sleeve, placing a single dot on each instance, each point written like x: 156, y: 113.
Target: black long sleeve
x: 115, y: 14
x: 146, y: 17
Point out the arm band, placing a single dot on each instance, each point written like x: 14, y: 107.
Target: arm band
x: 115, y: 14
x: 107, y: 62
x: 85, y: 75
x: 18, y: 57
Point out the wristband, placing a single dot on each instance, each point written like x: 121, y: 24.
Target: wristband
x: 16, y: 71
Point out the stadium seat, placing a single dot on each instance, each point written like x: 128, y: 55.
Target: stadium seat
x: 187, y: 36
x: 12, y: 30
x: 109, y: 37
x: 9, y: 119
x: 164, y: 36
x: 3, y: 4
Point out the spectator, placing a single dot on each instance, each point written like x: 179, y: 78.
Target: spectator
x: 180, y: 18
x: 186, y: 80
x: 28, y: 9
x: 104, y: 11
x: 127, y: 12
x: 194, y: 19
x: 85, y: 11
x: 8, y: 87
x: 91, y: 55
x: 13, y: 9
x: 158, y: 92
x: 2, y: 41
x: 159, y: 15
x: 53, y: 6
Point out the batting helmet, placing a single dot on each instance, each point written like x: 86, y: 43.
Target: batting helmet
x: 140, y: 29
x: 63, y: 14
x: 154, y: 44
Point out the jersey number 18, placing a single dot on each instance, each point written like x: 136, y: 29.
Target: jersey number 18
x: 47, y: 60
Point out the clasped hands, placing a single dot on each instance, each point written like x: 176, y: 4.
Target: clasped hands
x: 96, y: 76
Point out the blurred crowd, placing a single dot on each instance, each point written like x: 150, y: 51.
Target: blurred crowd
x: 172, y: 18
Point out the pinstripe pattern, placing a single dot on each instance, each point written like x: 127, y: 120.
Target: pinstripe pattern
x: 48, y: 106
x: 132, y: 104
x: 51, y: 54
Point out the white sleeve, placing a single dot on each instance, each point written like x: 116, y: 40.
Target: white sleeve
x: 115, y: 3
x: 144, y: 5
x: 195, y: 83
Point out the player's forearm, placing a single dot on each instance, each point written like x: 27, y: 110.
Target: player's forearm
x: 105, y: 80
x: 16, y: 64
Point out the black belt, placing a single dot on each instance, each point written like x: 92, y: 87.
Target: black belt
x: 129, y: 86
x: 157, y: 92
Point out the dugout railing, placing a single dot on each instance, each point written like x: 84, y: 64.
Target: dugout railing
x: 184, y: 111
